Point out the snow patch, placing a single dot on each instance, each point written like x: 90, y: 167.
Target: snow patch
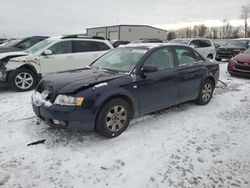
x: 100, y: 85
x: 38, y: 99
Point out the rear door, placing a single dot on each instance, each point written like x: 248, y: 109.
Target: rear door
x: 190, y: 71
x: 158, y: 89
x: 83, y: 53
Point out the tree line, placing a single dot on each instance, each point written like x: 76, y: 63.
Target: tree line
x: 225, y: 31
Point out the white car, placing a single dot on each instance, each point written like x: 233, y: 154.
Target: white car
x: 204, y: 46
x: 52, y: 55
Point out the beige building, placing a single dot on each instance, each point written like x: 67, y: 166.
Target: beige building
x: 127, y: 32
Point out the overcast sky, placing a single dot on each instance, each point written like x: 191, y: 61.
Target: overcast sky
x: 54, y: 17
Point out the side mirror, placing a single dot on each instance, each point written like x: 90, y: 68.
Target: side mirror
x: 47, y: 52
x: 147, y: 69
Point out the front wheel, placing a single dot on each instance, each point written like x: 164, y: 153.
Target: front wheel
x: 218, y: 59
x: 210, y: 56
x: 23, y: 80
x: 113, y: 118
x: 206, y: 93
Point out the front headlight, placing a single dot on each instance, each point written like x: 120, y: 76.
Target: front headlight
x: 65, y: 100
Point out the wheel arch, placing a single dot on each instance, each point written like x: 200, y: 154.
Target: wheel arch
x: 210, y: 78
x: 115, y: 96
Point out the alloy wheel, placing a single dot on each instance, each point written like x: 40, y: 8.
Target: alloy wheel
x: 116, y: 118
x: 24, y: 80
x: 207, y: 92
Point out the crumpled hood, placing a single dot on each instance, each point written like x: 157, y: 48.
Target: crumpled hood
x: 243, y: 58
x: 12, y: 54
x: 10, y: 49
x: 71, y: 81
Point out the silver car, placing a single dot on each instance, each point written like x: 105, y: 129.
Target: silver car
x: 204, y: 46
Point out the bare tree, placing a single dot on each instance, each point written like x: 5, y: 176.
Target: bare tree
x: 171, y: 35
x: 245, y: 13
x: 202, y: 30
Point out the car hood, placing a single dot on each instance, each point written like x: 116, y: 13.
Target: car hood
x: 9, y: 49
x: 12, y: 54
x: 243, y: 58
x: 76, y: 80
x: 230, y: 47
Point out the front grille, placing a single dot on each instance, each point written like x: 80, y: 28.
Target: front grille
x: 242, y: 68
x: 227, y: 50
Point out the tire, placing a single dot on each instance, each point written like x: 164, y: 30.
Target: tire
x: 210, y: 56
x: 206, y: 92
x: 113, y: 118
x: 218, y: 59
x: 23, y: 80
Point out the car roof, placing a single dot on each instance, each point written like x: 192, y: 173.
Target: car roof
x: 191, y: 39
x: 143, y: 45
x: 62, y: 37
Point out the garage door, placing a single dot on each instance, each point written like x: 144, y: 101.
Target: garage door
x: 101, y: 34
x: 113, y: 35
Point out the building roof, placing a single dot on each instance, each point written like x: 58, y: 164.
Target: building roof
x: 128, y: 26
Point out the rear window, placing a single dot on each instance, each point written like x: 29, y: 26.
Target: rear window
x: 100, y: 46
x: 205, y: 43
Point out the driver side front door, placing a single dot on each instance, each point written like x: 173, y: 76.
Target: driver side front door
x: 158, y: 89
x: 60, y: 60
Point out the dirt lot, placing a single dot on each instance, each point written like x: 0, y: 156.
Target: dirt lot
x: 183, y: 146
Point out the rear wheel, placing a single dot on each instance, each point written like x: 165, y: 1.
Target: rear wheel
x: 210, y: 56
x: 113, y: 118
x: 23, y: 80
x: 218, y: 59
x: 206, y: 93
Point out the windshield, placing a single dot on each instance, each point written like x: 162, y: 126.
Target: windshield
x: 240, y: 43
x: 39, y: 46
x: 179, y: 41
x: 247, y: 51
x: 121, y: 59
x: 12, y: 43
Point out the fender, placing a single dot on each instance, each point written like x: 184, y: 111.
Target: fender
x: 119, y: 92
x: 18, y: 62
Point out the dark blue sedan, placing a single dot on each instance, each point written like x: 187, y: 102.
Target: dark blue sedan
x: 126, y: 82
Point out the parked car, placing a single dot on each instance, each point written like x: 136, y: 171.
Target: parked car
x: 10, y: 43
x: 119, y: 42
x: 204, y: 46
x: 2, y: 40
x: 232, y: 48
x: 51, y: 55
x: 126, y: 82
x: 147, y: 40
x: 22, y: 45
x: 240, y: 64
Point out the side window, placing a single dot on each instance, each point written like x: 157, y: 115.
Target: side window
x: 82, y: 46
x: 195, y: 44
x: 185, y: 56
x: 205, y: 43
x: 162, y: 59
x: 100, y: 46
x: 61, y: 47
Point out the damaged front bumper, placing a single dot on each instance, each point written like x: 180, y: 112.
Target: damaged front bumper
x: 65, y: 117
